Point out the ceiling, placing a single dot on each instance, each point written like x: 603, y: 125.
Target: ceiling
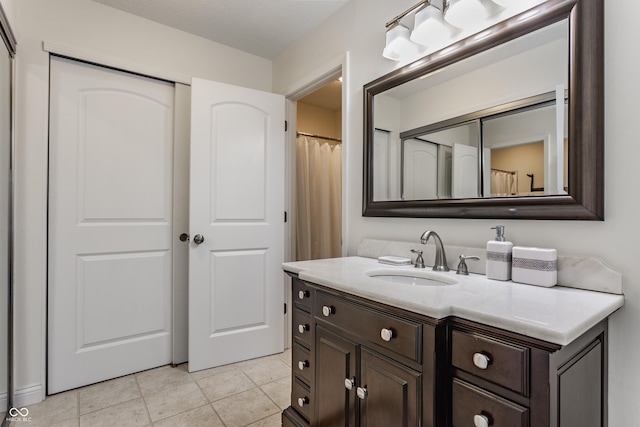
x: 261, y: 27
x: 328, y: 97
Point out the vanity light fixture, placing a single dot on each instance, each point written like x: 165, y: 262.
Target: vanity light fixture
x: 466, y: 13
x: 430, y: 28
x: 398, y: 44
x: 435, y: 22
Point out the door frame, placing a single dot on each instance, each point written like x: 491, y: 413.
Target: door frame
x: 323, y: 74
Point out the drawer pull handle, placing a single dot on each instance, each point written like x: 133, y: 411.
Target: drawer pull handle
x: 303, y: 328
x: 327, y: 310
x: 481, y: 421
x: 386, y: 334
x: 481, y: 360
x: 303, y: 294
x: 303, y: 364
x: 361, y: 392
x: 349, y: 383
x: 303, y: 401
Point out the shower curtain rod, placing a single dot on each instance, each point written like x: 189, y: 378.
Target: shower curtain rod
x: 310, y: 135
x: 500, y: 170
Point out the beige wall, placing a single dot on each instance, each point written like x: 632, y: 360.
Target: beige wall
x: 359, y: 29
x: 85, y: 26
x: 318, y: 120
x: 524, y: 159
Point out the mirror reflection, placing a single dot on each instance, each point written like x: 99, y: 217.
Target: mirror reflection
x: 507, y: 139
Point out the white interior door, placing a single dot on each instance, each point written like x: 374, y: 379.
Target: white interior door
x: 236, y: 291
x: 420, y: 170
x: 465, y: 171
x: 110, y: 209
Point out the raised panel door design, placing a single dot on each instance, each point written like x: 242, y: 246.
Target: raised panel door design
x: 420, y: 170
x: 236, y: 205
x: 110, y: 246
x: 393, y: 392
x: 465, y: 171
x: 335, y: 362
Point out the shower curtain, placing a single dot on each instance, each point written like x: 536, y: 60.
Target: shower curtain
x: 318, y: 199
x: 504, y: 183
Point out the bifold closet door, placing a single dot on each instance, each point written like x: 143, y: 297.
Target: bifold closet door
x: 110, y: 220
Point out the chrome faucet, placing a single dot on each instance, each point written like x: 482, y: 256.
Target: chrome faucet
x: 440, y: 263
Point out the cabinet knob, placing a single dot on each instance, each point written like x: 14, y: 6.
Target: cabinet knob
x: 386, y: 334
x: 303, y: 364
x: 361, y: 392
x: 349, y: 383
x: 481, y: 360
x: 303, y: 294
x: 481, y: 421
x: 327, y: 310
x: 303, y: 328
x: 303, y: 401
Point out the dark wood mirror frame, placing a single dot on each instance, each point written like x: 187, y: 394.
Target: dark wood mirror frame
x: 585, y: 200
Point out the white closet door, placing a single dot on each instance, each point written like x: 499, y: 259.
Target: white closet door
x: 236, y: 286
x: 465, y: 171
x: 420, y: 173
x: 110, y: 201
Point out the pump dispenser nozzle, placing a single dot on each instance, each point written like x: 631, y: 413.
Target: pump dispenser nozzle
x: 499, y: 233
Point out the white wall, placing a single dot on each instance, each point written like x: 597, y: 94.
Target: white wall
x: 359, y: 29
x: 103, y: 31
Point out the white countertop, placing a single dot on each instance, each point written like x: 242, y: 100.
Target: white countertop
x: 557, y: 315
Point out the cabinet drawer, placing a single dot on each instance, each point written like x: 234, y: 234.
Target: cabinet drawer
x: 301, y: 398
x: 301, y: 294
x: 301, y: 362
x: 504, y: 364
x: 302, y: 327
x: 399, y: 335
x: 470, y: 404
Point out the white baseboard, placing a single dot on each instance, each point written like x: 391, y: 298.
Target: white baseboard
x: 25, y: 396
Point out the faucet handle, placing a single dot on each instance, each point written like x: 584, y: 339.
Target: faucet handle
x: 462, y: 265
x: 419, y: 258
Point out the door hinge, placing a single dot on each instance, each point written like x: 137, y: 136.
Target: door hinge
x: 285, y: 216
x: 285, y: 308
x: 286, y: 125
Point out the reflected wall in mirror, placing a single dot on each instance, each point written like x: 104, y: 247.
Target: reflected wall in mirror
x: 507, y: 125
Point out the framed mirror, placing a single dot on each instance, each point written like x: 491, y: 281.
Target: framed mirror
x: 507, y: 123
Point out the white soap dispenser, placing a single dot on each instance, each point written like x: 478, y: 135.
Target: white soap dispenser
x: 499, y: 256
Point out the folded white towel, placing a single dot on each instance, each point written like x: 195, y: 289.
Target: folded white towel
x: 394, y: 260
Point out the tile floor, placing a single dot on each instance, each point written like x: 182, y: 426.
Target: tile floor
x: 251, y: 393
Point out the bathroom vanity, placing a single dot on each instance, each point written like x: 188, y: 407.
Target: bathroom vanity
x: 450, y: 351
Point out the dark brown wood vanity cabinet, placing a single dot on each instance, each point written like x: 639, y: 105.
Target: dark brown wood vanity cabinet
x: 360, y: 363
x: 500, y: 378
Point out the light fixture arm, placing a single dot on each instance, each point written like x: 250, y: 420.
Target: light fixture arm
x: 439, y: 4
x: 405, y: 13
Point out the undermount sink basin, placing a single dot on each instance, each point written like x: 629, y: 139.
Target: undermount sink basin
x: 409, y: 277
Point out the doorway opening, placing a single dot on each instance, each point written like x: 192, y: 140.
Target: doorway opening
x: 316, y: 172
x: 318, y: 169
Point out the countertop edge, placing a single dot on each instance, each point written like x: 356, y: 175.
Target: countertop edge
x: 556, y: 334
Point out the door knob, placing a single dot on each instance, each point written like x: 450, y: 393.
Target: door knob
x: 361, y: 392
x: 184, y: 237
x: 349, y: 383
x: 198, y: 238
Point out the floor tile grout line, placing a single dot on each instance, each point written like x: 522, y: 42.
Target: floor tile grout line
x: 211, y: 404
x: 144, y: 401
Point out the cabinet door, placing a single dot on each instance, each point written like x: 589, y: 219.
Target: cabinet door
x: 392, y: 395
x: 335, y: 362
